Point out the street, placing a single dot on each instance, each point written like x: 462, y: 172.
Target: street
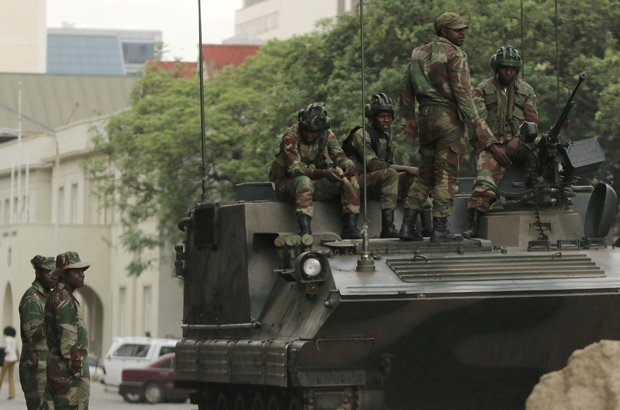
x: 99, y: 400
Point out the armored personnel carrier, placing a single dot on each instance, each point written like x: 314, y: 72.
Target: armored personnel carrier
x: 275, y: 321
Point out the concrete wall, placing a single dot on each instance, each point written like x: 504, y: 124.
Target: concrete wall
x: 281, y: 19
x: 23, y: 36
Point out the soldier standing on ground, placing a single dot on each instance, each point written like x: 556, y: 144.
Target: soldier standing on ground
x: 384, y: 180
x: 505, y: 102
x: 68, y: 378
x: 301, y: 171
x: 33, y: 361
x: 438, y: 78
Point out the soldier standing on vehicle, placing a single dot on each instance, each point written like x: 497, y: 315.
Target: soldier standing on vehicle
x: 505, y: 102
x: 33, y: 360
x: 384, y: 180
x: 68, y: 378
x: 438, y: 78
x: 301, y: 171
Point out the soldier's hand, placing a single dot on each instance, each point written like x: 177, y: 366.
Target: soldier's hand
x: 513, y: 146
x: 76, y: 366
x: 329, y: 174
x: 411, y: 130
x: 407, y: 170
x: 351, y: 170
x: 499, y: 153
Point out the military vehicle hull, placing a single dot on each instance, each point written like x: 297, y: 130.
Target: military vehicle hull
x: 462, y: 326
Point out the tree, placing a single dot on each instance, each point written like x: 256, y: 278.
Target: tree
x: 155, y: 146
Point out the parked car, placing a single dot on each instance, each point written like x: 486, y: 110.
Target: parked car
x: 153, y: 383
x: 95, y: 367
x: 132, y: 352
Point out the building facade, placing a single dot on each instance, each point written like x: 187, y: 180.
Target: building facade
x: 282, y: 19
x: 47, y: 207
x: 23, y: 36
x: 100, y: 52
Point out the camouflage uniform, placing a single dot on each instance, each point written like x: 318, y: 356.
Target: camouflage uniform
x: 382, y: 182
x: 438, y: 77
x: 33, y: 360
x: 516, y: 104
x: 292, y: 169
x: 68, y: 378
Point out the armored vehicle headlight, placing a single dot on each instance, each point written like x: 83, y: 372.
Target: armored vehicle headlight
x: 312, y: 267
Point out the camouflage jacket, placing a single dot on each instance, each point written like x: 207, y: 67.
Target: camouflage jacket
x: 438, y: 74
x: 379, y: 147
x: 67, y: 337
x: 32, y: 321
x: 297, y: 157
x: 491, y: 99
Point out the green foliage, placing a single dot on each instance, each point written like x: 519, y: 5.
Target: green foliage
x: 155, y: 146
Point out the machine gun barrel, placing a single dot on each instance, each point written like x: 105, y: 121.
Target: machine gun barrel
x: 554, y: 133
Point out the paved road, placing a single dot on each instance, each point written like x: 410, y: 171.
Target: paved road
x: 99, y: 400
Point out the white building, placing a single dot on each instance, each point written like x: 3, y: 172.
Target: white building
x: 46, y: 209
x: 282, y: 19
x: 23, y: 36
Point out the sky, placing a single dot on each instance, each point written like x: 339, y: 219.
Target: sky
x: 176, y: 19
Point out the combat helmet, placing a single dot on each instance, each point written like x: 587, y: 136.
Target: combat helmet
x: 314, y: 118
x: 505, y: 57
x: 379, y: 103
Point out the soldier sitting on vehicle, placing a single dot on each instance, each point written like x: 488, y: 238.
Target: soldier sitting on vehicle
x: 301, y: 171
x: 505, y: 102
x: 384, y: 180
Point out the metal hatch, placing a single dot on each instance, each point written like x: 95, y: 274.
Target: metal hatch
x: 494, y: 267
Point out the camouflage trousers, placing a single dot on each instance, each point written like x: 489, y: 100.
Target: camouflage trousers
x: 388, y: 186
x: 302, y: 190
x: 488, y: 175
x: 382, y: 185
x: 33, y: 377
x: 65, y: 390
x: 442, y: 145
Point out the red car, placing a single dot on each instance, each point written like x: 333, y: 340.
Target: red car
x: 153, y: 384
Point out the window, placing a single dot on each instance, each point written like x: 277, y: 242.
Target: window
x: 132, y: 350
x: 74, y: 203
x: 61, y: 205
x: 168, y: 364
x: 138, y: 53
x: 166, y: 349
x: 7, y: 211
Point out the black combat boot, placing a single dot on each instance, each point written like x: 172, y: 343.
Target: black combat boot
x: 426, y: 220
x: 349, y: 227
x: 388, y: 230
x: 408, y: 231
x: 303, y: 224
x: 441, y: 232
x: 474, y: 221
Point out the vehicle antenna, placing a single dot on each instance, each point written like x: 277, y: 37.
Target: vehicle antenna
x: 557, y: 57
x: 522, y: 46
x: 365, y: 263
x: 204, y: 167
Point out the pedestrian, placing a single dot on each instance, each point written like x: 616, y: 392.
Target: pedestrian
x: 505, y: 102
x: 312, y: 166
x: 68, y: 378
x: 33, y: 360
x: 385, y: 180
x: 438, y: 78
x: 10, y: 358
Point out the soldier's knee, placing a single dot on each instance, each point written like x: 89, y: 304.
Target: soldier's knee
x: 303, y: 182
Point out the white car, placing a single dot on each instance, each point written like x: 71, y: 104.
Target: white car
x: 132, y: 352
